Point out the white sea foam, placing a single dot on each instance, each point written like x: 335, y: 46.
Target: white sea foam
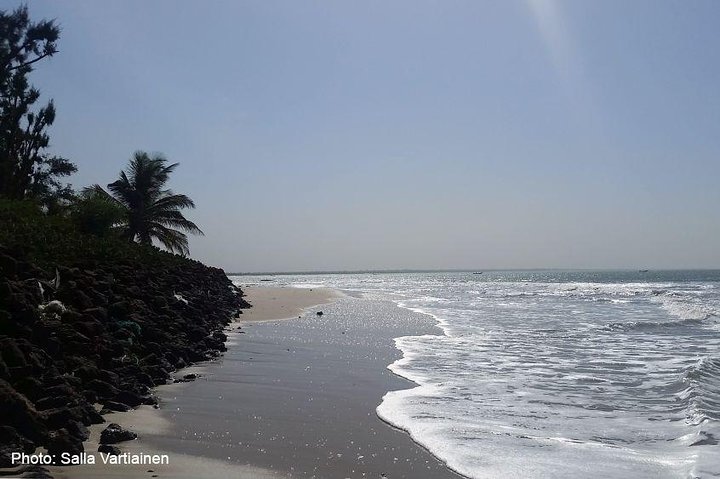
x: 553, y: 375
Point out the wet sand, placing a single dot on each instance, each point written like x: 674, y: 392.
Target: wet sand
x: 147, y: 422
x: 299, y: 397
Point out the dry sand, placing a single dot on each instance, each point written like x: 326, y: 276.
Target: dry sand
x: 273, y: 303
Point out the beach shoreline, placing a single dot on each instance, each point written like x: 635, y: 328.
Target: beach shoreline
x: 298, y: 397
x: 290, y: 398
x: 268, y: 304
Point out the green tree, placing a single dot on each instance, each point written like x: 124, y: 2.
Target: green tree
x: 27, y: 170
x: 149, y: 210
x: 96, y: 213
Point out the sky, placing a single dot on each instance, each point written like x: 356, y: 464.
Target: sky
x: 418, y: 134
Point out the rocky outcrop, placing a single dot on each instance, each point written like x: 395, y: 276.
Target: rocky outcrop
x: 122, y: 321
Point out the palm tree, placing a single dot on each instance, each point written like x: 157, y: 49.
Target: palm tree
x: 150, y: 211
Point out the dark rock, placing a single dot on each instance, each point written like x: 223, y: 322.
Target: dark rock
x: 51, y: 402
x: 60, y: 416
x: 68, y: 315
x: 78, y: 430
x: 19, y: 413
x: 8, y: 265
x: 119, y: 309
x: 8, y: 326
x: 62, y: 389
x: 109, y: 377
x: 319, y: 313
x: 52, y: 380
x: 98, y: 314
x: 81, y: 300
x: 108, y: 449
x: 11, y: 441
x: 11, y: 354
x: 90, y: 396
x: 61, y: 440
x: 94, y: 416
x: 116, y: 406
x: 30, y: 387
x: 158, y: 374
x: 88, y: 328
x: 102, y: 388
x: 114, y: 434
x: 145, y: 379
x: 87, y: 372
x: 127, y: 397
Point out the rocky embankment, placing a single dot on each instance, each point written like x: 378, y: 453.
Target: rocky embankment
x: 101, y: 330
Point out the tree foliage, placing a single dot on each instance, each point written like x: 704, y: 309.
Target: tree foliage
x: 27, y: 170
x: 150, y: 211
x: 96, y: 213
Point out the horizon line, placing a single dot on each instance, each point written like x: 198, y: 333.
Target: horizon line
x: 461, y: 270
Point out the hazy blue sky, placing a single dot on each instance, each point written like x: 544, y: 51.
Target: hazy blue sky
x: 407, y: 134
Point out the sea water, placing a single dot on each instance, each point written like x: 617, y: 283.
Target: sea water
x: 550, y: 374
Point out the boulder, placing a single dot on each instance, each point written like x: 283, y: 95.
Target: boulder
x: 19, y: 413
x: 61, y: 440
x: 114, y: 434
x: 108, y: 449
x: 102, y: 388
x: 11, y: 441
x: 116, y: 406
x: 128, y: 397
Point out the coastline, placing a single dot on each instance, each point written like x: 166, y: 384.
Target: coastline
x: 298, y: 397
x: 289, y: 398
x: 268, y: 304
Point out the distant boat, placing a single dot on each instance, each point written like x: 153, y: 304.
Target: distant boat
x: 643, y: 271
x: 479, y: 272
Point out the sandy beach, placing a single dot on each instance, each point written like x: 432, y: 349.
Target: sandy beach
x: 149, y: 423
x: 298, y: 397
x: 272, y: 303
x: 288, y: 399
x: 357, y: 240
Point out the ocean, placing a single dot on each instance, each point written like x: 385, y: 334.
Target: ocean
x: 551, y: 374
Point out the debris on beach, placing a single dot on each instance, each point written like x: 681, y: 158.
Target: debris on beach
x: 54, y: 307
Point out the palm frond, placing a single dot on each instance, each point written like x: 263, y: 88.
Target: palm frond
x: 123, y: 190
x: 97, y: 191
x: 175, y: 219
x: 172, y: 239
x: 172, y: 202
